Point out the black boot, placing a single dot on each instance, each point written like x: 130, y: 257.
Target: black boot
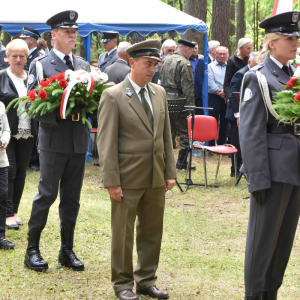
x: 33, y: 257
x: 182, y: 159
x: 269, y: 295
x: 258, y: 297
x: 66, y: 255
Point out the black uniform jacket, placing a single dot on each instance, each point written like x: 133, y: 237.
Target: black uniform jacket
x: 235, y: 86
x: 62, y: 136
x: 267, y: 156
x: 3, y: 58
x: 8, y: 92
x: 36, y: 53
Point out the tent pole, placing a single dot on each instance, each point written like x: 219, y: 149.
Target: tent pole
x: 87, y: 41
x: 205, y: 79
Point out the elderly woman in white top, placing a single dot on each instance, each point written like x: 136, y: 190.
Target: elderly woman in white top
x: 13, y: 84
x: 4, y: 140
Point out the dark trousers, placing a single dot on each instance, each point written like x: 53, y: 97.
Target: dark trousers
x: 147, y: 205
x: 181, y: 128
x: 271, y: 232
x: 235, y: 141
x: 218, y: 112
x: 35, y: 157
x: 199, y: 103
x: 18, y: 153
x: 3, y: 199
x: 58, y: 170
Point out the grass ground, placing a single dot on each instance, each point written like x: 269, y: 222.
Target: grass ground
x: 202, y: 251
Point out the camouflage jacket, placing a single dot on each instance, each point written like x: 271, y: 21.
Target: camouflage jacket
x: 177, y: 73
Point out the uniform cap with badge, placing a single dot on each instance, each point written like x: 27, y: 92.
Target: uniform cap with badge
x: 187, y: 43
x: 64, y: 19
x: 149, y: 49
x: 108, y: 35
x: 29, y: 32
x: 287, y: 23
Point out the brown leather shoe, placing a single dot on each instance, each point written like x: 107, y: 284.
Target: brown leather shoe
x: 127, y: 295
x: 153, y: 292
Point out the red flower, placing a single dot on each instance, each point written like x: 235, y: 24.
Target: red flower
x: 42, y: 81
x: 52, y: 78
x: 42, y: 94
x: 23, y: 100
x: 32, y: 95
x: 296, y: 66
x: 45, y: 83
x: 292, y: 82
x: 60, y: 76
x: 297, y: 97
x: 63, y: 83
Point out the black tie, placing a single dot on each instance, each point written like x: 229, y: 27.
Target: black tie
x: 286, y: 70
x: 68, y: 62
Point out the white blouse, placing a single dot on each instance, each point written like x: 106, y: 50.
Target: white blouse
x: 24, y: 126
x: 4, y: 135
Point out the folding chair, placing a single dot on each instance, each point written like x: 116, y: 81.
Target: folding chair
x: 206, y: 129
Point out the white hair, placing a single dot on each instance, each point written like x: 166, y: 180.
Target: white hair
x: 17, y: 44
x: 253, y: 55
x: 123, y: 46
x: 168, y: 43
x: 243, y: 42
x: 213, y: 44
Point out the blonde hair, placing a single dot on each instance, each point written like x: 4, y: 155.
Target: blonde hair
x: 17, y: 44
x: 266, y: 49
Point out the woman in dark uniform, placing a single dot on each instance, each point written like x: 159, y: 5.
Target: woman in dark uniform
x: 270, y: 151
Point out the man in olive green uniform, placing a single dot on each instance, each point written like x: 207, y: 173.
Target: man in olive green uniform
x: 137, y: 163
x: 176, y: 76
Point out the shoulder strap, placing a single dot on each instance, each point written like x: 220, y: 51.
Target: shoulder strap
x: 39, y: 71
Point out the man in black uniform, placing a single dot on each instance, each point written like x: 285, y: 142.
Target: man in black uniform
x: 30, y: 36
x: 63, y: 145
x: 3, y: 57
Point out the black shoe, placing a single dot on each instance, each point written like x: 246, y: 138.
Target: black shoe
x: 258, y: 297
x: 269, y: 295
x: 19, y: 223
x: 153, y: 292
x: 66, y: 255
x: 182, y: 159
x: 12, y: 226
x: 34, y: 168
x: 33, y: 258
x: 5, y: 244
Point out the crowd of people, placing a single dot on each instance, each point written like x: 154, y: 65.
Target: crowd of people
x: 135, y: 142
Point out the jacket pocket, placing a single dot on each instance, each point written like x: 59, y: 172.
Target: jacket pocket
x: 274, y: 141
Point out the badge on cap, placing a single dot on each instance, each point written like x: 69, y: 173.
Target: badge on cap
x: 31, y: 79
x: 247, y: 94
x: 5, y: 59
x: 295, y: 17
x: 129, y: 92
x: 72, y: 15
x: 152, y: 90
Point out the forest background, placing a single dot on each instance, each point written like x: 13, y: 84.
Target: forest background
x: 227, y: 21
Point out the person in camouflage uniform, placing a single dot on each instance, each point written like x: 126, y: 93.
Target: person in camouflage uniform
x: 176, y: 76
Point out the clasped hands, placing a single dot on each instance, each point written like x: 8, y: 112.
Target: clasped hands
x: 220, y: 92
x: 116, y: 191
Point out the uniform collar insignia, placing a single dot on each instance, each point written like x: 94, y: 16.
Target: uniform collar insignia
x: 129, y: 92
x: 152, y: 90
x: 30, y: 56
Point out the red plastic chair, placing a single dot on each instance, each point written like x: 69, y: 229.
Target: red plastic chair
x: 206, y: 129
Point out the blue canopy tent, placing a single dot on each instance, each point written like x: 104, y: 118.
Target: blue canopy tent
x: 145, y: 17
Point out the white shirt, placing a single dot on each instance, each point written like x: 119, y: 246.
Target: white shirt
x: 109, y: 52
x: 62, y: 55
x: 278, y: 63
x: 137, y: 89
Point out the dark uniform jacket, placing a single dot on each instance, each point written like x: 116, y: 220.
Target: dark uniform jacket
x: 36, y: 53
x: 234, y: 64
x: 62, y: 136
x: 267, y: 156
x: 118, y: 71
x: 105, y: 61
x: 8, y: 92
x: 3, y: 58
x: 235, y: 86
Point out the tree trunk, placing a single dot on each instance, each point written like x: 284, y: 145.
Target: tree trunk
x: 220, y: 22
x: 136, y: 38
x: 197, y: 9
x: 82, y: 51
x: 6, y: 38
x: 240, y: 20
x: 47, y: 37
x: 232, y: 27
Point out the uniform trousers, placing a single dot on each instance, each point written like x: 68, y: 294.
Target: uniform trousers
x: 148, y: 206
x: 271, y: 232
x: 3, y: 199
x: 34, y: 158
x: 18, y: 153
x: 58, y: 170
x: 235, y: 141
x: 181, y: 128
